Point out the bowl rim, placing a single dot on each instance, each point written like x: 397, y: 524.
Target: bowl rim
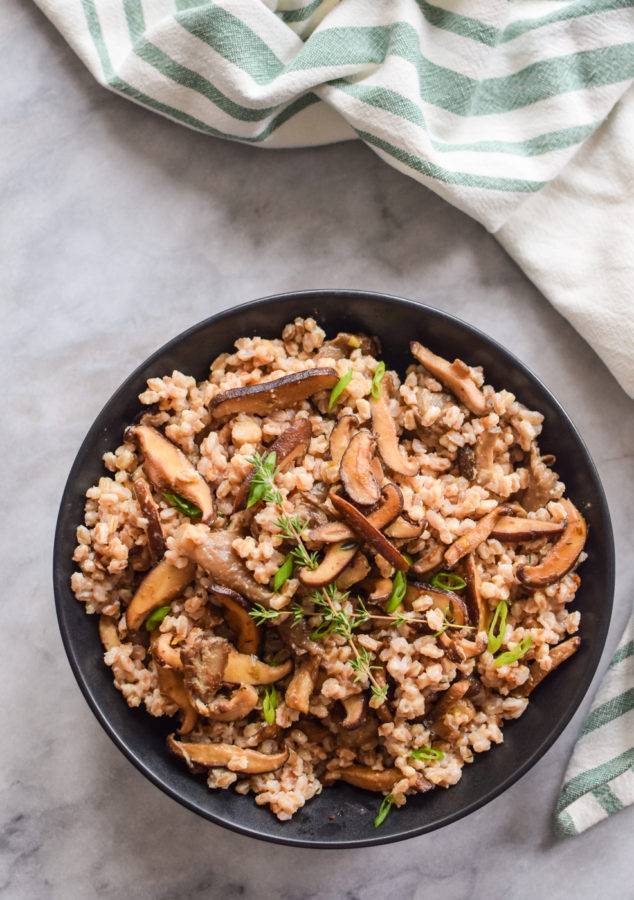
x: 498, y: 788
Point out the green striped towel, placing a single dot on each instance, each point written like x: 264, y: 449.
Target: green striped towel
x: 600, y: 776
x: 483, y: 101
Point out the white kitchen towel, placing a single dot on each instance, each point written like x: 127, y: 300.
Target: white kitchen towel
x: 600, y: 776
x: 486, y: 102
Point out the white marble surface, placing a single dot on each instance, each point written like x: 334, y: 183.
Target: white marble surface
x: 118, y: 230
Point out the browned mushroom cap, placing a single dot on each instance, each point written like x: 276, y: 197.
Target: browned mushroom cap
x: 386, y: 437
x: 558, y: 655
x: 462, y: 710
x: 241, y: 759
x: 168, y: 469
x: 204, y: 663
x: 447, y: 601
x: 340, y: 436
x: 456, y: 376
x: 282, y: 393
x: 298, y: 637
x: 404, y: 528
x: 369, y: 533
x: 215, y: 554
x: 356, y: 708
x: 509, y: 528
x: 237, y: 706
x: 382, y: 780
x: 244, y: 669
x: 336, y: 558
x: 156, y: 541
x: 344, y: 343
x: 356, y: 470
x: 472, y: 539
x: 563, y: 555
x: 476, y: 604
x: 289, y: 447
x: 314, y: 731
x: 301, y: 685
x: 386, y: 512
x: 237, y: 615
x: 467, y: 462
x: 172, y: 686
x: 162, y: 583
x: 108, y: 632
x: 354, y: 573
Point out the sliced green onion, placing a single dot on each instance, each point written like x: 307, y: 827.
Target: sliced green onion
x: 408, y: 559
x: 321, y: 631
x: 497, y: 626
x: 384, y: 809
x: 426, y: 753
x: 379, y: 374
x: 511, y: 656
x: 154, y: 620
x: 399, y: 588
x: 448, y: 581
x: 283, y: 573
x: 348, y: 545
x: 190, y: 509
x: 269, y: 703
x: 339, y: 388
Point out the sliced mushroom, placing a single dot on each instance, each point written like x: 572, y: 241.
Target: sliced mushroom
x: 168, y: 469
x: 447, y: 601
x: 462, y: 710
x: 237, y: 615
x: 454, y: 692
x: 387, y: 439
x: 267, y: 396
x: 237, y: 706
x: 456, y: 376
x: 297, y: 636
x: 344, y: 343
x: 354, y: 573
x: 204, y: 663
x: 356, y: 471
x: 301, y: 685
x: 356, y: 708
x: 467, y: 463
x: 379, y: 589
x: 314, y: 731
x: 244, y: 669
x: 542, y: 481
x: 429, y: 561
x: 563, y: 555
x: 171, y: 684
x: 162, y: 583
x: 215, y: 554
x: 382, y: 780
x: 238, y: 759
x: 339, y: 531
x: 291, y: 446
x: 341, y: 435
x: 558, y: 654
x: 479, y: 613
x: 472, y: 539
x: 156, y: 541
x: 509, y: 528
x: 163, y: 651
x: 336, y: 558
x: 485, y: 454
x: 405, y: 529
x: 108, y: 632
x: 369, y: 533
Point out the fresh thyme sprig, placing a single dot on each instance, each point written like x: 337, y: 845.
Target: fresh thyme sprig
x: 263, y: 482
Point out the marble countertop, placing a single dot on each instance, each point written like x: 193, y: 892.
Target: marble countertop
x: 119, y: 230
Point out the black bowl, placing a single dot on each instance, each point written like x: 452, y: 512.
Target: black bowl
x: 342, y: 816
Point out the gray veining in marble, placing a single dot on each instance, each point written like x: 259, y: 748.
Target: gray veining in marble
x: 118, y: 230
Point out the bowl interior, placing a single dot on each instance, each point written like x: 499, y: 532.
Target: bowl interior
x: 342, y: 816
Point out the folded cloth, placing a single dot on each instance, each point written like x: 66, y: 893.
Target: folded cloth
x: 600, y: 776
x: 485, y: 102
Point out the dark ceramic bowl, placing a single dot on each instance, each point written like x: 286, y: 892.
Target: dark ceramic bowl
x: 342, y: 816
